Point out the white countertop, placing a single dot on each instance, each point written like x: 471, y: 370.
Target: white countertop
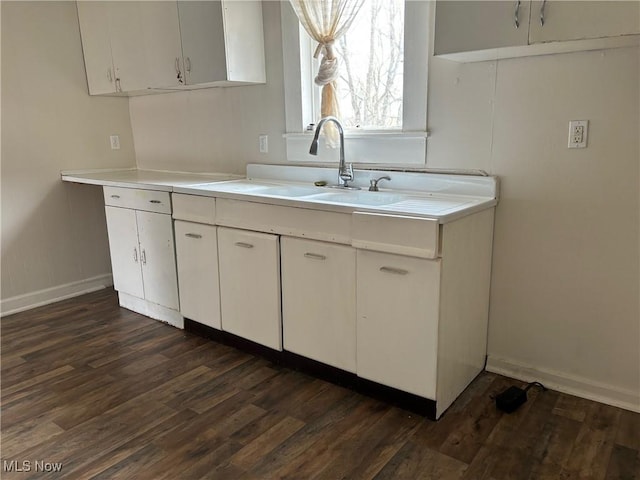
x: 145, y: 179
x: 444, y: 197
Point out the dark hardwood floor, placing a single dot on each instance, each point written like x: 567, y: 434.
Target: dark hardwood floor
x: 108, y: 393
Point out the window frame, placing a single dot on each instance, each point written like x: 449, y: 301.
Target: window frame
x: 393, y: 147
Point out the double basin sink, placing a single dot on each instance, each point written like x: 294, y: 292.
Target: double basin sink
x: 338, y: 195
x: 443, y: 206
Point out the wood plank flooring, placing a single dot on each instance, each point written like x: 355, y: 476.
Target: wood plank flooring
x: 107, y: 393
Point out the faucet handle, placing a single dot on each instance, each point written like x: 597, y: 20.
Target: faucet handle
x: 373, y: 183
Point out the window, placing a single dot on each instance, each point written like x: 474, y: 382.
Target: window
x: 371, y: 67
x: 382, y: 86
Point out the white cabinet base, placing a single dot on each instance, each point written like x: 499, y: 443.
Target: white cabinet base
x: 153, y: 310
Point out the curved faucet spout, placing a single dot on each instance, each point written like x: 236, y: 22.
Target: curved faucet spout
x: 345, y: 172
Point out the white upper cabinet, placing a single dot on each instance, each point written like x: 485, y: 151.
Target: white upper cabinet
x: 203, y: 48
x: 127, y: 47
x: 94, y: 29
x: 467, y: 26
x: 222, y: 42
x: 160, y: 39
x: 145, y: 46
x: 476, y: 31
x: 566, y: 20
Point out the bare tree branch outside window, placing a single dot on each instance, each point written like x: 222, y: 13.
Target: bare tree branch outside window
x: 371, y: 76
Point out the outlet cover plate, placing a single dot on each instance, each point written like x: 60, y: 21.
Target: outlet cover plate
x: 578, y: 133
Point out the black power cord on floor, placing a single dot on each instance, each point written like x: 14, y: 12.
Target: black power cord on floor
x: 509, y: 400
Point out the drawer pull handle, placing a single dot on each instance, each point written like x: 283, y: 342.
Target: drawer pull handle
x: 315, y: 256
x: 144, y: 257
x: 243, y: 245
x: 135, y: 255
x: 193, y: 235
x: 115, y: 196
x: 155, y: 201
x: 396, y: 271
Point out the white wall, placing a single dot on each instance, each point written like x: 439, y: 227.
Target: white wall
x: 54, y: 239
x: 565, y: 286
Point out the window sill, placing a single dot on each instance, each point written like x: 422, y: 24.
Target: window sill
x: 364, y: 134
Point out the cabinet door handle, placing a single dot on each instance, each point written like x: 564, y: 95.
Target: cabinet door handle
x: 178, y: 72
x: 109, y: 75
x: 135, y: 255
x: 118, y: 85
x: 544, y: 2
x: 187, y: 64
x: 315, y: 256
x: 396, y: 271
x: 155, y: 201
x: 516, y: 20
x: 115, y: 196
x: 193, y: 235
x: 144, y: 257
x: 243, y: 245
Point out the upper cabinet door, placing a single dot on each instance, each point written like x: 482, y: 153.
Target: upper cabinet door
x: 127, y: 45
x: 202, y: 32
x: 96, y: 46
x: 564, y: 20
x: 480, y: 25
x: 161, y: 43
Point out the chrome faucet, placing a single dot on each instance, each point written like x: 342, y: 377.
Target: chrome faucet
x: 345, y: 171
x: 373, y: 183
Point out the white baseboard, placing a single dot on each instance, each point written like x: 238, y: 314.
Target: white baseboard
x: 571, y: 384
x: 27, y: 301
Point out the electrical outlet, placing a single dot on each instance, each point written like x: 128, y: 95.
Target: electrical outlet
x: 578, y: 131
x: 264, y: 143
x: 115, y: 142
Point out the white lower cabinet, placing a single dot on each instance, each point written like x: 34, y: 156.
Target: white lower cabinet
x: 318, y: 301
x: 249, y: 264
x: 397, y: 321
x: 125, y: 251
x: 197, y: 260
x: 143, y: 255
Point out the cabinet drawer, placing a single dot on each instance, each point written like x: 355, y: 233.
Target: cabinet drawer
x: 413, y: 236
x: 194, y: 208
x: 292, y: 221
x: 148, y: 200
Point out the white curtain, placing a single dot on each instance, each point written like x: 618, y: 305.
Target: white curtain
x: 326, y: 21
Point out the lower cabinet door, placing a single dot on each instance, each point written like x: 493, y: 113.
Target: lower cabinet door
x: 125, y: 251
x: 157, y: 252
x: 318, y: 301
x: 197, y: 260
x: 249, y: 265
x: 397, y: 329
